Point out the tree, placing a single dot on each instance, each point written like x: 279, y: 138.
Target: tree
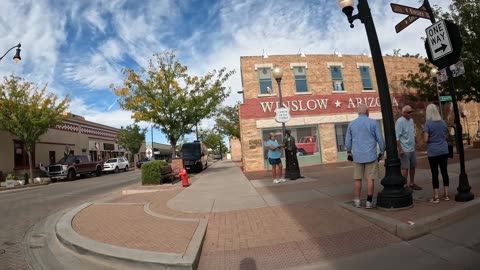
x: 170, y: 98
x: 466, y: 14
x: 131, y: 138
x: 27, y: 112
x: 212, y: 139
x: 228, y: 121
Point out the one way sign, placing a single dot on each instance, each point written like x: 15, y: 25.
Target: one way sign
x: 439, y: 40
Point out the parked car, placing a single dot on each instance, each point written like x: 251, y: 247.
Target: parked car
x: 139, y: 163
x: 217, y: 156
x: 115, y: 165
x: 71, y: 166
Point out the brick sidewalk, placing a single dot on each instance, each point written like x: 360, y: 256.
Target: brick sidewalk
x: 272, y: 237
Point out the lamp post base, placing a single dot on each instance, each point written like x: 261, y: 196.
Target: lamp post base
x: 395, y: 201
x: 394, y: 196
x: 464, y: 194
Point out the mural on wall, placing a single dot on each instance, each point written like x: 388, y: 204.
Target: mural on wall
x: 305, y: 138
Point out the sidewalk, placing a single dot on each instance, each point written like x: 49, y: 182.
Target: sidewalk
x: 255, y: 224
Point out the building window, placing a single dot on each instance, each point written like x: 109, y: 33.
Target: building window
x: 337, y: 78
x: 300, y: 73
x: 21, y: 156
x: 366, y: 78
x: 341, y: 133
x: 265, y: 78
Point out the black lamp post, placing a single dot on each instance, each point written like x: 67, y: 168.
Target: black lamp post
x: 17, y: 57
x: 394, y: 195
x: 278, y: 74
x: 433, y: 74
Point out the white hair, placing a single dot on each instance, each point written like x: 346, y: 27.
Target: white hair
x: 432, y: 114
x: 406, y: 108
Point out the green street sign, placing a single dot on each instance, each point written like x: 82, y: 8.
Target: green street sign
x: 445, y: 98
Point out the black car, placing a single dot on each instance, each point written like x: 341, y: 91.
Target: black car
x: 139, y: 164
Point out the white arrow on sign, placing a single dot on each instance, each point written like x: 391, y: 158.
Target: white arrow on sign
x: 439, y: 40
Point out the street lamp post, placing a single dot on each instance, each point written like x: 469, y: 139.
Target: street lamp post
x: 17, y: 57
x: 394, y: 195
x: 433, y: 74
x: 278, y: 74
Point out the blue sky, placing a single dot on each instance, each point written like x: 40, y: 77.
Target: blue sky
x: 80, y: 47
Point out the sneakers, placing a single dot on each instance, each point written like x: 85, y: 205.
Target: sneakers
x: 277, y: 181
x: 356, y: 203
x: 369, y: 205
x: 434, y: 200
x: 415, y: 187
x: 282, y: 180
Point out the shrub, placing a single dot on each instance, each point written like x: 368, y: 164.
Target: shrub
x: 10, y: 177
x: 151, y: 172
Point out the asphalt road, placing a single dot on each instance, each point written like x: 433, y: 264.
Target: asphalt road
x: 21, y: 209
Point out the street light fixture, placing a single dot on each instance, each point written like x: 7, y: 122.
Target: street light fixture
x: 17, y: 57
x: 278, y: 74
x: 394, y: 195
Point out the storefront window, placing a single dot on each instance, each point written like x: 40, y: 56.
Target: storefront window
x: 305, y: 138
x: 341, y: 133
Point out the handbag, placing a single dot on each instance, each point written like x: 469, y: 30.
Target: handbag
x: 450, y: 151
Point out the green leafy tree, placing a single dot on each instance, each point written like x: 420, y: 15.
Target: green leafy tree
x: 212, y: 138
x: 170, y: 98
x: 466, y: 14
x: 131, y: 138
x: 27, y: 112
x: 228, y: 121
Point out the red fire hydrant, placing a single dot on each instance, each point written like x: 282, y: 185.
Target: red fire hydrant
x: 184, y: 176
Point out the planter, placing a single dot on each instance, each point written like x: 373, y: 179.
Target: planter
x: 10, y: 183
x: 20, y: 182
x: 3, y: 184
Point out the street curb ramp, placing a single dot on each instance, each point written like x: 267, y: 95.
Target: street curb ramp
x: 140, y: 259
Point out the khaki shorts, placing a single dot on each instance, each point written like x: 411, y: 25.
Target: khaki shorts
x: 365, y: 170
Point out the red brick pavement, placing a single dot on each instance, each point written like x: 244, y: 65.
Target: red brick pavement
x: 127, y: 225
x: 285, y: 236
x: 262, y: 238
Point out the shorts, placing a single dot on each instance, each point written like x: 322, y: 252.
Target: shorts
x: 367, y: 170
x: 408, y: 160
x: 274, y: 161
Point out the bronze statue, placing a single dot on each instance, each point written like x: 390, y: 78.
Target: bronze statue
x: 292, y: 170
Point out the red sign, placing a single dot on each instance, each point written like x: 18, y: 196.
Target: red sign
x: 310, y: 105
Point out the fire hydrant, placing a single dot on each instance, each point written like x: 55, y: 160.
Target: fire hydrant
x: 184, y: 176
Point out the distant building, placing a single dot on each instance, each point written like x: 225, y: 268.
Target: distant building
x: 322, y: 92
x: 75, y: 136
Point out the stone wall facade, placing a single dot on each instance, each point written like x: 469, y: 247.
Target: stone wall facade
x: 323, y: 108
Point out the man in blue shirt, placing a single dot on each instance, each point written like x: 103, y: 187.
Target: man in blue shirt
x: 363, y: 135
x: 405, y: 133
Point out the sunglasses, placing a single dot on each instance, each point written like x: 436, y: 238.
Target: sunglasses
x: 409, y: 112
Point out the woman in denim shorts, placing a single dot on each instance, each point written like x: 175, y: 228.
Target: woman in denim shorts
x: 274, y: 158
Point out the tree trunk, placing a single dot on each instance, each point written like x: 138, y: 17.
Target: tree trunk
x: 174, y: 150
x: 135, y: 159
x: 29, y: 153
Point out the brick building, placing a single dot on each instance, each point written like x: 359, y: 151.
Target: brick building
x: 322, y: 92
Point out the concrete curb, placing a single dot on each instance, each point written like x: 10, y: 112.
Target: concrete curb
x: 421, y: 226
x: 139, y: 259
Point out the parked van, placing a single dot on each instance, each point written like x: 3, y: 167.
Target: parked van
x: 195, y: 156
